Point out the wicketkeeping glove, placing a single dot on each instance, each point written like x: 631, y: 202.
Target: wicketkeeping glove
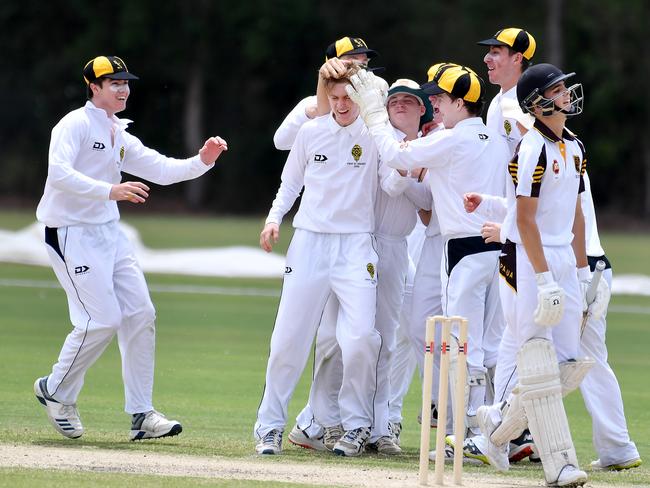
x: 596, y: 308
x: 550, y: 300
x: 365, y: 93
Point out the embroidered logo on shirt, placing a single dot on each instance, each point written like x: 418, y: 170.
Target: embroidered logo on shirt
x: 287, y: 270
x: 483, y: 137
x: 507, y: 126
x: 371, y: 270
x: 320, y: 158
x: 577, y: 163
x: 356, y: 152
x: 122, y: 153
x: 78, y: 270
x: 556, y: 166
x: 98, y: 146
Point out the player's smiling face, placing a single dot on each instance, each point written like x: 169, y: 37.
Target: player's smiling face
x: 501, y: 65
x: 404, y: 111
x: 111, y: 95
x: 344, y: 110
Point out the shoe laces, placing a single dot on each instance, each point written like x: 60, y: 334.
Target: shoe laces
x: 354, y: 434
x: 334, y: 431
x: 272, y: 437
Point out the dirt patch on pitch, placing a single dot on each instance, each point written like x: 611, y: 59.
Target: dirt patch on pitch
x: 147, y: 463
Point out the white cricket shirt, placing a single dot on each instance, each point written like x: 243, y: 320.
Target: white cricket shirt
x: 83, y: 166
x: 338, y: 167
x: 465, y: 158
x: 550, y: 169
x: 506, y: 127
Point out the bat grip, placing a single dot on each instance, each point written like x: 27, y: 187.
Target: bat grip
x: 593, y: 286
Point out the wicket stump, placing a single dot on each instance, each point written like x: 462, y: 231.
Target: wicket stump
x: 459, y: 405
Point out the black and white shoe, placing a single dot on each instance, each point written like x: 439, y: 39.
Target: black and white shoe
x: 271, y: 443
x: 353, y: 442
x: 152, y: 425
x: 64, y: 418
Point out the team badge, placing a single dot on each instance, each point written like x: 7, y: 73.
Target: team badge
x: 577, y: 163
x: 507, y: 126
x: 122, y: 153
x: 556, y: 166
x: 356, y: 152
x: 371, y: 270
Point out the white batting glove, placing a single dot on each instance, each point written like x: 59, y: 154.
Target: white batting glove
x: 597, y: 308
x: 364, y: 93
x: 381, y: 85
x: 550, y: 300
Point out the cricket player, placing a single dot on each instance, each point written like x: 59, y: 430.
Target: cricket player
x: 463, y: 155
x: 93, y: 259
x: 540, y: 291
x: 332, y: 252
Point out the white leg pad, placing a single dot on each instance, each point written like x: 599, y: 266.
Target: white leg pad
x: 513, y: 420
x: 572, y: 373
x: 541, y: 397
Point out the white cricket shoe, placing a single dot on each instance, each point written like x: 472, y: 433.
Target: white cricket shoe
x: 570, y: 476
x: 271, y: 443
x: 152, y: 425
x: 395, y: 429
x: 300, y: 438
x: 331, y: 435
x: 497, y: 455
x: 64, y: 418
x: 353, y: 442
x: 629, y: 464
x: 385, y: 445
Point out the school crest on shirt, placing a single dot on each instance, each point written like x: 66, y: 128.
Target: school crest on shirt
x: 577, y: 163
x: 121, y: 153
x: 507, y: 126
x: 356, y: 152
x: 371, y: 270
x: 556, y: 166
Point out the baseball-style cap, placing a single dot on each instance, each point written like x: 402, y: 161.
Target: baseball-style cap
x: 349, y: 45
x: 458, y: 81
x: 404, y: 85
x: 433, y: 73
x: 107, y: 67
x: 516, y: 39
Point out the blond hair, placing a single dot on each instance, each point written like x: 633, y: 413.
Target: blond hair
x: 345, y: 78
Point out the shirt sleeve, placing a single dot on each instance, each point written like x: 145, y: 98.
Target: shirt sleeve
x: 493, y: 208
x: 285, y: 135
x: 64, y: 150
x: 292, y: 180
x: 419, y: 193
x: 149, y: 164
x: 529, y: 166
x: 431, y: 151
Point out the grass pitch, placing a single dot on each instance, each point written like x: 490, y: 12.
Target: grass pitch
x: 211, y: 359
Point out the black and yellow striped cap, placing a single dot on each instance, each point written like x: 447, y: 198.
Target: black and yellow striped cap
x: 433, y: 73
x: 516, y: 39
x: 349, y: 45
x: 459, y: 81
x: 107, y: 67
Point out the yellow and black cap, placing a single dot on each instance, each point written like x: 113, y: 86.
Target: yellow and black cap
x: 516, y: 39
x: 349, y: 45
x: 107, y: 67
x: 433, y: 73
x: 459, y: 81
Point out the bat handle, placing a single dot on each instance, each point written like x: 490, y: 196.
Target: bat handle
x: 593, y: 286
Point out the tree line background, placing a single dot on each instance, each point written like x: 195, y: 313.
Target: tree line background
x: 236, y: 68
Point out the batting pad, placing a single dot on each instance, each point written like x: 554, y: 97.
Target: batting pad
x: 541, y: 397
x: 513, y: 420
x: 573, y: 372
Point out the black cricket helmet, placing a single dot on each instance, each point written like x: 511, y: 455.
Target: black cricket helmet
x: 536, y: 80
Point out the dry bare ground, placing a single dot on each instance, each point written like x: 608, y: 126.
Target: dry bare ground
x: 147, y: 463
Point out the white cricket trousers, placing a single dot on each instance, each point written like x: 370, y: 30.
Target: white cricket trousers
x: 107, y: 295
x: 602, y: 395
x: 394, y: 374
x: 518, y: 290
x: 318, y: 265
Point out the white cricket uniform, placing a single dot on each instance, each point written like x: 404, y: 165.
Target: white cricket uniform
x: 600, y: 388
x: 91, y: 257
x: 465, y: 158
x: 285, y: 135
x: 395, y: 216
x: 332, y: 252
x: 506, y: 127
x: 547, y: 168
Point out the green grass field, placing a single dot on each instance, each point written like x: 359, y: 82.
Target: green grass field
x: 211, y: 359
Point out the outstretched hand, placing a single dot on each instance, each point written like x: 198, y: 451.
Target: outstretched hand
x: 212, y: 149
x: 132, y: 191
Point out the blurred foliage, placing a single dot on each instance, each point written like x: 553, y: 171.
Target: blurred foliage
x: 262, y: 57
